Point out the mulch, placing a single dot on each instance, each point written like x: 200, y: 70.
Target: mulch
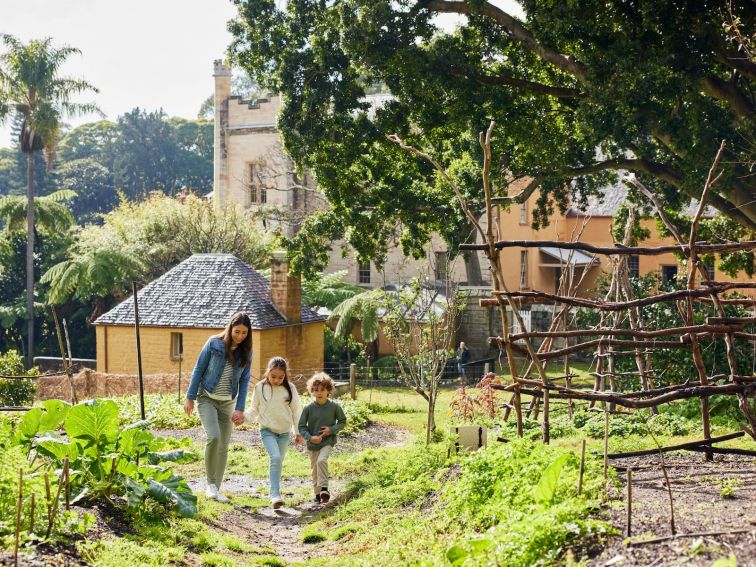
x: 702, y: 503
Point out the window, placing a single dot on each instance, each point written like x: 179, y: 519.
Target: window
x: 633, y: 266
x: 258, y: 194
x: 669, y: 273
x: 523, y: 213
x: 524, y: 269
x: 363, y: 275
x: 710, y: 271
x: 177, y: 346
x: 442, y: 265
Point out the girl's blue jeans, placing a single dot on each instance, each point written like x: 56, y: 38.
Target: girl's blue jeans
x: 276, y: 445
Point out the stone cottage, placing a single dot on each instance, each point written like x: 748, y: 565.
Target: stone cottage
x: 181, y: 309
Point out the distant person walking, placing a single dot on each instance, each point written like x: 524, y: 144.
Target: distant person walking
x: 219, y: 386
x: 320, y: 422
x: 463, y: 357
x: 276, y: 408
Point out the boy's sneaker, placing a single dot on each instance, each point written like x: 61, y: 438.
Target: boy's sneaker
x: 276, y: 503
x: 325, y: 496
x: 317, y: 499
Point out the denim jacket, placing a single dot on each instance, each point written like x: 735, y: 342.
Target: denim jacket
x: 208, y: 370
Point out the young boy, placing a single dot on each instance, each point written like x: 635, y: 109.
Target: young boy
x: 319, y: 424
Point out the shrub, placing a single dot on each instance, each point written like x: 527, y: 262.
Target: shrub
x: 16, y: 392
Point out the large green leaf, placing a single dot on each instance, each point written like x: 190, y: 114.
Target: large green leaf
x: 176, y: 456
x: 546, y: 489
x: 53, y: 445
x: 134, y: 491
x: 95, y: 421
x: 29, y: 425
x: 175, y: 490
x: 134, y: 441
x: 55, y: 414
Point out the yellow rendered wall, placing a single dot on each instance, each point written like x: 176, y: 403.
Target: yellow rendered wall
x: 116, y: 349
x: 301, y: 345
x: 597, y: 231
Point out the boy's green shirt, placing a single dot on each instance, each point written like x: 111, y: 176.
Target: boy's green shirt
x: 314, y: 416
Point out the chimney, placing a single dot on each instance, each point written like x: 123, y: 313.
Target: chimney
x: 285, y: 290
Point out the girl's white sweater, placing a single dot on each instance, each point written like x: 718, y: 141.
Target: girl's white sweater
x: 272, y: 410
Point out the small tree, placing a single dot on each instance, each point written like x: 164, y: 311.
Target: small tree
x: 421, y: 323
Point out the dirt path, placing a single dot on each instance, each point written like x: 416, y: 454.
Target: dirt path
x: 280, y: 531
x: 708, y: 497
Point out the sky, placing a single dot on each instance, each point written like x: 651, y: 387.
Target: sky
x: 147, y: 53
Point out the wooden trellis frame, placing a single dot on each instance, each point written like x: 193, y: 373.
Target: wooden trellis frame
x: 618, y: 306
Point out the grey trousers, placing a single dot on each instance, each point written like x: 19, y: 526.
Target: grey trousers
x: 319, y: 467
x: 215, y: 416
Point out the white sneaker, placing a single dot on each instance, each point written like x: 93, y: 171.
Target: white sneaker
x: 220, y: 497
x: 276, y: 503
x: 211, y: 492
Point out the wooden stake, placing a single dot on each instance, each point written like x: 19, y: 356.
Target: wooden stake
x: 54, y: 507
x: 67, y: 480
x: 19, y: 502
x: 48, y: 498
x: 669, y: 493
x: 606, y: 446
x: 31, y: 516
x: 582, y: 467
x: 628, y: 531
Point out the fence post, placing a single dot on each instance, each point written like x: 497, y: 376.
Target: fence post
x: 353, y: 380
x: 486, y: 368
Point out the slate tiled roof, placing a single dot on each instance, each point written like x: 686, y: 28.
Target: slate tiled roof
x: 604, y: 205
x: 204, y: 291
x: 612, y: 196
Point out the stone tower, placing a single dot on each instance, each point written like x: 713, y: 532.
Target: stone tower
x: 222, y: 75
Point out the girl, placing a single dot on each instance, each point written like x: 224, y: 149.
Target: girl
x: 219, y: 385
x: 276, y: 407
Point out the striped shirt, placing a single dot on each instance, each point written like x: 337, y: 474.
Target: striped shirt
x: 223, y: 389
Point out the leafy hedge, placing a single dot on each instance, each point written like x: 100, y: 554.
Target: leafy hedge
x: 16, y: 392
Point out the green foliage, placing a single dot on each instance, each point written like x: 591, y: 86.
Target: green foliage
x: 16, y: 392
x: 341, y: 350
x: 362, y: 307
x: 163, y: 411
x: 140, y: 241
x: 313, y: 536
x: 328, y: 290
x: 637, y: 423
x: 586, y: 89
x: 50, y: 212
x: 106, y: 459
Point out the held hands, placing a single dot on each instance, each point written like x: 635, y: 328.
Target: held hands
x: 237, y: 417
x: 298, y: 439
x: 189, y: 407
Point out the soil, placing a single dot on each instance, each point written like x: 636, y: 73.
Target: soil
x: 701, y: 504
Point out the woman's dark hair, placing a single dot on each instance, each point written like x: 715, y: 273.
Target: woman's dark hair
x: 242, y: 352
x: 281, y: 364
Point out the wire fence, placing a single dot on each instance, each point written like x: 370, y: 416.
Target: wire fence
x: 383, y: 374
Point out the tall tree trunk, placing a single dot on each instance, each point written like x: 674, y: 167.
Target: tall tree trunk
x: 30, y: 257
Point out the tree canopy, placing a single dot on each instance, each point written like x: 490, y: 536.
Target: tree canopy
x: 582, y: 90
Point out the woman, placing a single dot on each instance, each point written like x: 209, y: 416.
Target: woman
x: 219, y: 385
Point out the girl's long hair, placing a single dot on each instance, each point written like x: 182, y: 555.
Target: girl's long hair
x: 242, y: 352
x: 281, y: 364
